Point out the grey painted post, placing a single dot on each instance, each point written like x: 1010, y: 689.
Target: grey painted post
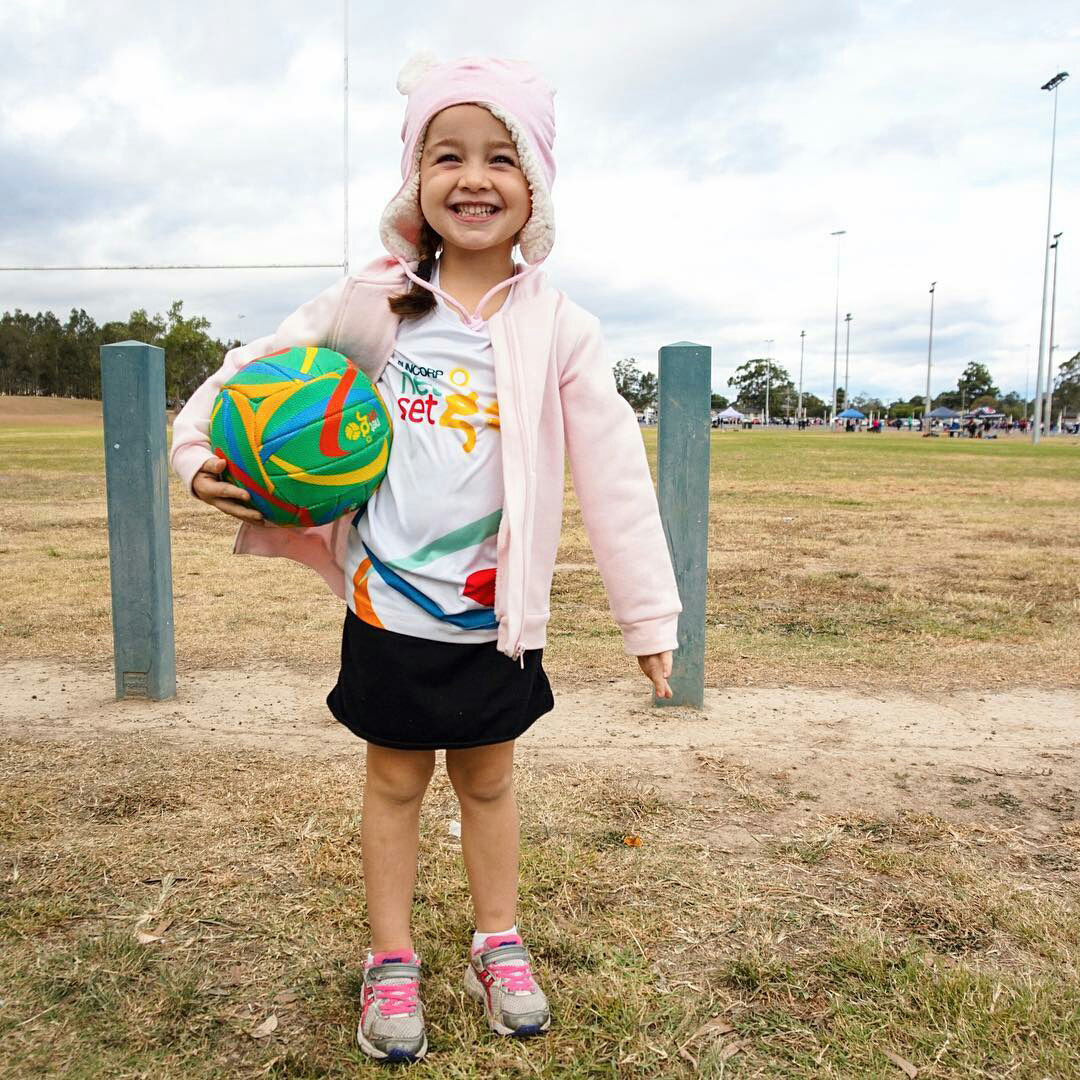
x: 682, y: 466
x: 136, y: 481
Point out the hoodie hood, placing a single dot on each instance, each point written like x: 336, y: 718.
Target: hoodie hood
x: 515, y: 94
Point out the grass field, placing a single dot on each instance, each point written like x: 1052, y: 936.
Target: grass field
x: 160, y: 900
x: 820, y: 955
x: 853, y: 560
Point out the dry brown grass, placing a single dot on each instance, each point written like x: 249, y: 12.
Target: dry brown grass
x: 158, y: 903
x: 833, y: 561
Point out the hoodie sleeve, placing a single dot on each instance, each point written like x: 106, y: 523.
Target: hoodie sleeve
x: 313, y: 323
x: 618, y: 502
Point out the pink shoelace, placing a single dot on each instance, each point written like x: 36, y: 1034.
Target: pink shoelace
x: 397, y: 999
x: 514, y: 977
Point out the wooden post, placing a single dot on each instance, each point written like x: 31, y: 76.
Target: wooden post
x: 136, y: 481
x: 682, y: 465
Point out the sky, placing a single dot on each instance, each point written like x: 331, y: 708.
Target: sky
x: 705, y: 153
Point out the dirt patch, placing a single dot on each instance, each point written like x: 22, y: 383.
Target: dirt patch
x: 776, y: 759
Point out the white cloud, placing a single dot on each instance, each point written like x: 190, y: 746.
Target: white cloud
x: 705, y: 153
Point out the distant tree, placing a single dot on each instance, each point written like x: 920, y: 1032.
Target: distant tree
x: 1012, y: 404
x: 139, y: 327
x: 813, y: 405
x: 638, y: 387
x: 1067, y: 386
x: 41, y: 355
x: 975, y: 383
x: 719, y: 402
x: 18, y: 371
x: 626, y: 377
x: 80, y: 356
x: 903, y: 409
x: 190, y: 355
x: 750, y: 381
x: 647, y: 390
x: 841, y: 398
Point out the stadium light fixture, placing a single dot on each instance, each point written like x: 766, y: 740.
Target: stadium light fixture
x: 1052, y: 85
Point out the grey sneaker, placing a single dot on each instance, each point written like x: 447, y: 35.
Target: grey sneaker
x: 500, y: 977
x: 391, y: 1024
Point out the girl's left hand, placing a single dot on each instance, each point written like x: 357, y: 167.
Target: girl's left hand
x: 657, y: 668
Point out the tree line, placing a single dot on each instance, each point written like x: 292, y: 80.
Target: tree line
x: 39, y: 354
x: 974, y: 388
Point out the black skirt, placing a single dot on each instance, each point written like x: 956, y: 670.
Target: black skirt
x: 409, y: 693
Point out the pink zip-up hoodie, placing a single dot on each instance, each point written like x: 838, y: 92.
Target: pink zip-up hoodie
x: 555, y: 387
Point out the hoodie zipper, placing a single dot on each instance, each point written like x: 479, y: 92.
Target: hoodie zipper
x: 519, y: 649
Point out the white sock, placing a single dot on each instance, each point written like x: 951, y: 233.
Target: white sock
x: 479, y: 939
x: 370, y: 958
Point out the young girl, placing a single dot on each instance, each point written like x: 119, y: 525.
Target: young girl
x: 488, y: 372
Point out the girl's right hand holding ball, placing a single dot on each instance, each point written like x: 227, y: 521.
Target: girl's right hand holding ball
x: 228, y: 498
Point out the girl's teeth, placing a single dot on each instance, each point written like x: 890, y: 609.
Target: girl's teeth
x: 465, y: 211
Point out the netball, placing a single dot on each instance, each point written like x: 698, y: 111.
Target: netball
x: 305, y: 433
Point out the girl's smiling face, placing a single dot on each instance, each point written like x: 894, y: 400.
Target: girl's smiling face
x: 472, y: 190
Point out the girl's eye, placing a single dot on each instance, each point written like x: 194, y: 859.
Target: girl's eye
x: 445, y: 157
x: 500, y: 157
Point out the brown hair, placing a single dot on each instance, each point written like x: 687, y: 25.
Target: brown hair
x: 418, y: 300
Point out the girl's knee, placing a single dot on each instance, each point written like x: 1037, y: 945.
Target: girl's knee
x: 480, y: 777
x: 400, y: 775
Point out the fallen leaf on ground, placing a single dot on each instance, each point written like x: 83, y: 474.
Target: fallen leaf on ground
x: 267, y: 1027
x: 286, y: 997
x: 902, y: 1063
x: 731, y: 1049
x: 632, y: 841
x: 716, y: 1026
x: 148, y: 937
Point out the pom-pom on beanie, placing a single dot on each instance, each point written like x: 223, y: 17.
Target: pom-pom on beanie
x: 515, y: 94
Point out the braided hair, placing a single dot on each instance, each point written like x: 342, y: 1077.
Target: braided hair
x: 418, y: 300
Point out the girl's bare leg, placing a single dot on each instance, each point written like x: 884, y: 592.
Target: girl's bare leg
x: 483, y: 778
x: 389, y: 837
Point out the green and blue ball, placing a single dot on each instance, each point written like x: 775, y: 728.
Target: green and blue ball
x: 305, y: 433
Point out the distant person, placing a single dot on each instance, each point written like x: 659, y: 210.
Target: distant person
x: 429, y: 661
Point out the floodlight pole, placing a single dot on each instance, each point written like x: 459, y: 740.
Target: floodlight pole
x: 802, y: 352
x: 1052, y: 85
x: 929, y: 360
x: 847, y: 363
x: 836, y: 325
x: 768, y: 377
x: 1048, y: 400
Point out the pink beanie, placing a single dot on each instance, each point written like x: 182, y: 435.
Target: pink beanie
x: 514, y: 93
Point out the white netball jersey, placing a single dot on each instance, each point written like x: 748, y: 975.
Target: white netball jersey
x: 421, y: 555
